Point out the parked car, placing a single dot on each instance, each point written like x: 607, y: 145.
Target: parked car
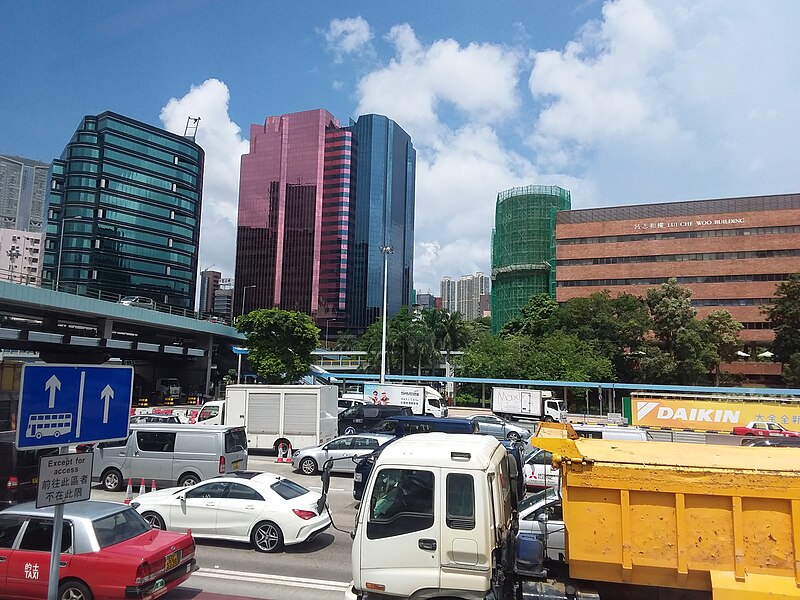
x: 782, y: 442
x: 540, y: 510
x: 500, y: 428
x: 266, y: 510
x: 765, y: 429
x: 363, y: 417
x: 19, y: 470
x: 345, y: 403
x: 406, y: 425
x: 140, y: 301
x: 107, y: 551
x: 154, y: 419
x: 538, y: 469
x: 170, y: 454
x: 310, y: 460
x: 612, y: 432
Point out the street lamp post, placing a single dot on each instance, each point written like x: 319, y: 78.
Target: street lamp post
x: 326, y: 329
x: 61, y: 247
x: 386, y: 251
x: 244, y: 295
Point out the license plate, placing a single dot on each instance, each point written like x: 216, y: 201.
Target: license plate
x: 357, y: 477
x: 172, y: 560
x: 236, y: 464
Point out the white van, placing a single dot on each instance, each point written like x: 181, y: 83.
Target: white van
x: 612, y: 432
x: 169, y: 454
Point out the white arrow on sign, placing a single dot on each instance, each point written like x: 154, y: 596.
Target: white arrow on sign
x: 107, y: 394
x: 51, y: 386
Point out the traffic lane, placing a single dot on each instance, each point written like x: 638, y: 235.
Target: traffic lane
x: 319, y: 568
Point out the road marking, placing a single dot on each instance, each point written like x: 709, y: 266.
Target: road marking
x: 319, y: 487
x: 317, y: 584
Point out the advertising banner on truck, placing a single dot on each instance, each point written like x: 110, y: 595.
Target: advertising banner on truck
x: 710, y: 415
x: 412, y: 396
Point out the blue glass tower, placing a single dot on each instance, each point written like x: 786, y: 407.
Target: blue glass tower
x: 383, y: 215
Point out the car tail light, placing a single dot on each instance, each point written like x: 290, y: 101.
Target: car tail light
x: 222, y: 465
x: 304, y: 514
x: 13, y: 482
x: 142, y: 573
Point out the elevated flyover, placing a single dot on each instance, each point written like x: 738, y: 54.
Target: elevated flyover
x: 70, y: 328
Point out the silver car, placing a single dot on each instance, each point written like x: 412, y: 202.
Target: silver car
x: 500, y: 428
x: 310, y: 460
x: 543, y: 510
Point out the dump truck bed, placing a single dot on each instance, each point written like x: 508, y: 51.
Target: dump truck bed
x: 719, y: 518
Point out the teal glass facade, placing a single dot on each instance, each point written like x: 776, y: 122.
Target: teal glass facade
x: 124, y: 212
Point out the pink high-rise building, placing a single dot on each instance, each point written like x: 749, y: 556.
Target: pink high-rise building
x: 294, y: 195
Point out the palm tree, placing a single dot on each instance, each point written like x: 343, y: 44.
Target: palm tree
x: 423, y: 344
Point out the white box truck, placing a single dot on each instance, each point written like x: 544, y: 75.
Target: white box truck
x: 422, y: 399
x: 513, y: 403
x: 300, y: 415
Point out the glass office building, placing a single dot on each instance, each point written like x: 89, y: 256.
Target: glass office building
x: 383, y: 216
x: 124, y: 212
x: 316, y: 203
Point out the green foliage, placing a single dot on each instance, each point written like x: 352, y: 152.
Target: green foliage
x: 346, y: 342
x: 791, y: 371
x: 280, y: 343
x: 671, y: 310
x: 538, y: 316
x: 723, y: 338
x: 784, y: 318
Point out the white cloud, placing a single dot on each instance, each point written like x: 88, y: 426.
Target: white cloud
x: 478, y: 80
x: 348, y: 36
x: 671, y: 100
x: 221, y: 140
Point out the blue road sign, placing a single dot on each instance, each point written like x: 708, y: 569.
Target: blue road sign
x: 69, y: 404
x: 240, y: 350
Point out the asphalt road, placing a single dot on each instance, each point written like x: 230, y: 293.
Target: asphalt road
x: 319, y: 569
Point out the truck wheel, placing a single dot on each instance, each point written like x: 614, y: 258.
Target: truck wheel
x: 277, y: 446
x: 188, y: 479
x: 308, y: 466
x: 112, y: 480
x: 548, y: 419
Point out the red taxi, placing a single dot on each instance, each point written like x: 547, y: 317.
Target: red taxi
x: 107, y: 551
x: 765, y: 429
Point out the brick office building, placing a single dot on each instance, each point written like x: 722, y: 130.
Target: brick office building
x: 731, y: 253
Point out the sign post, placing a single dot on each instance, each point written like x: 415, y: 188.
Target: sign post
x: 70, y: 404
x: 239, y: 351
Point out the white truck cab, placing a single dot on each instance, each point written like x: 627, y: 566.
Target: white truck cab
x: 423, y: 530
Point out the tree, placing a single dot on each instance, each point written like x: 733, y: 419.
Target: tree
x: 723, y: 332
x: 537, y: 317
x: 399, y: 337
x: 791, y: 371
x: 564, y: 356
x: 280, y: 343
x: 784, y: 318
x: 671, y: 310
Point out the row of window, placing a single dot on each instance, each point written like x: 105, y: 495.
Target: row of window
x: 733, y: 302
x: 681, y: 280
x: 679, y: 235
x: 696, y: 256
x: 112, y: 139
x: 168, y: 170
x: 147, y: 209
x: 143, y: 134
x: 147, y: 194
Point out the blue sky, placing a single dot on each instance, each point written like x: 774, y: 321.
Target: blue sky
x: 621, y: 102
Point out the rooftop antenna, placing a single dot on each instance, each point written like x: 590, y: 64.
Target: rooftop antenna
x: 192, y: 123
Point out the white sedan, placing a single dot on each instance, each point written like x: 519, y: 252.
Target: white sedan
x: 266, y: 510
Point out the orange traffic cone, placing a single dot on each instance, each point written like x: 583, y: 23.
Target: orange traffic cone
x: 129, y: 492
x: 142, y: 489
x: 284, y: 453
x: 153, y: 485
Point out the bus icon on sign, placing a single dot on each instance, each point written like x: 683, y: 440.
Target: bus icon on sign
x: 49, y: 425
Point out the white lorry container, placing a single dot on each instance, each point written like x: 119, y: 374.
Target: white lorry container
x: 517, y: 402
x: 422, y: 399
x: 300, y: 415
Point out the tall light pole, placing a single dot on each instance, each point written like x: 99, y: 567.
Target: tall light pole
x: 244, y: 295
x: 386, y: 251
x: 61, y: 246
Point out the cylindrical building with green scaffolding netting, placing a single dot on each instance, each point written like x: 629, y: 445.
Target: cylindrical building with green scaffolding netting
x: 523, y: 248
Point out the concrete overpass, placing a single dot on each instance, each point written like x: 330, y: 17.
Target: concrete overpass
x: 71, y: 328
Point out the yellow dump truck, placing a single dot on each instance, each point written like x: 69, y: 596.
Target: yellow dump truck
x: 719, y: 519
